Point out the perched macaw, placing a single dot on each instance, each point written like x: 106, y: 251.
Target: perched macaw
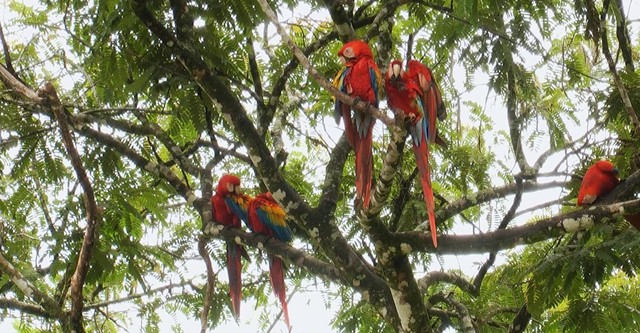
x: 267, y: 217
x: 599, y: 180
x: 360, y: 78
x: 431, y: 97
x: 404, y: 95
x: 229, y: 207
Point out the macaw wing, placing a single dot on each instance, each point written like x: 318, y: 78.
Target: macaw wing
x: 430, y: 102
x: 272, y: 215
x: 338, y: 82
x: 375, y: 79
x: 418, y: 130
x: 239, y: 205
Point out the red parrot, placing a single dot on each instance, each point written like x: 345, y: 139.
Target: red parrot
x: 404, y: 95
x: 359, y: 78
x: 599, y: 180
x: 229, y: 207
x: 431, y: 96
x: 267, y: 217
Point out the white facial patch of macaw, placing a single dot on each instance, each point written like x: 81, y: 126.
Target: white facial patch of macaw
x: 230, y: 188
x: 404, y: 308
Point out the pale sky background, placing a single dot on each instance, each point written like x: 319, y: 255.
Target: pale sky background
x: 307, y: 309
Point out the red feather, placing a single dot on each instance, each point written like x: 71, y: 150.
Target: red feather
x: 268, y: 218
x: 359, y: 78
x: 276, y: 275
x: 600, y: 179
x: 229, y: 206
x: 403, y: 95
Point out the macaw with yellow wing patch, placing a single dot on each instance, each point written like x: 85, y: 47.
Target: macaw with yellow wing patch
x: 360, y: 78
x: 229, y: 206
x: 268, y: 218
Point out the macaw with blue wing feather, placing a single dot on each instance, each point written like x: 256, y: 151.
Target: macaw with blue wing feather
x: 360, y: 78
x: 268, y: 218
x: 229, y: 206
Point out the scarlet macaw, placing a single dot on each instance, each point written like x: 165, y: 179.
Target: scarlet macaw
x: 404, y: 95
x: 431, y: 96
x: 229, y: 206
x: 268, y: 218
x: 599, y: 180
x: 360, y: 78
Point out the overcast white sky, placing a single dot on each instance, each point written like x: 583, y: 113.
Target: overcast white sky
x: 308, y: 312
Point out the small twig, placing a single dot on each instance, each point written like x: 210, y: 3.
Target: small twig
x: 304, y: 61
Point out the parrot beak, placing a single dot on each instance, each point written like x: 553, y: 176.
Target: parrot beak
x: 396, y: 71
x: 343, y: 60
x: 615, y: 171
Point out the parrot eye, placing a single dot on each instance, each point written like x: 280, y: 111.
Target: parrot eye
x: 348, y: 53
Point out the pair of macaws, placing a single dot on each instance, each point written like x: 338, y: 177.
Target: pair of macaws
x: 262, y: 215
x: 413, y: 94
x: 599, y: 180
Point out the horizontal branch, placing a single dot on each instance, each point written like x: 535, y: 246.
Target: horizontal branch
x: 139, y: 295
x: 23, y: 307
x: 526, y: 234
x: 474, y: 199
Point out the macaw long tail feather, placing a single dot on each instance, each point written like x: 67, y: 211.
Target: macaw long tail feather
x: 276, y: 274
x: 422, y: 160
x: 234, y: 268
x: 364, y: 166
x: 349, y: 127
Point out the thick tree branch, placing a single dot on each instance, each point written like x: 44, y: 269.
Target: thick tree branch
x: 483, y: 196
x: 624, y: 94
x: 526, y: 234
x: 520, y: 320
x: 22, y: 307
x: 341, y: 20
x: 210, y: 285
x: 451, y: 278
x: 94, y: 213
x: 48, y: 304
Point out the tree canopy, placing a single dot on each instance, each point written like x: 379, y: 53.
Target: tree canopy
x: 118, y: 117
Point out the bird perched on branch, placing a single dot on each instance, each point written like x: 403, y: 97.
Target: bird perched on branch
x: 266, y: 217
x: 359, y: 78
x: 418, y: 105
x: 229, y: 207
x: 599, y: 180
